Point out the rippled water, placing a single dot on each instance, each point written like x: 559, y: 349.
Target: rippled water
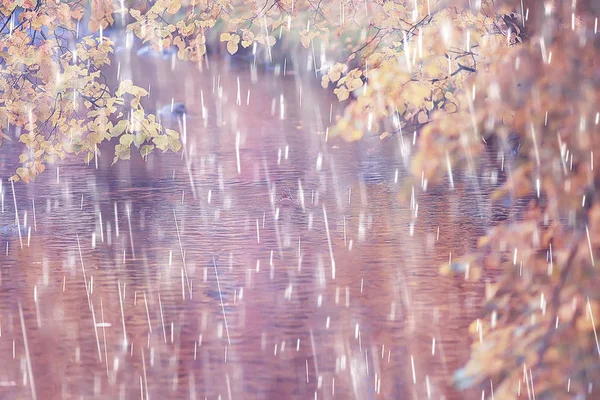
x: 179, y: 277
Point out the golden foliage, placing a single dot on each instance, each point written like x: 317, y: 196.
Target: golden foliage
x: 54, y: 92
x: 538, y: 322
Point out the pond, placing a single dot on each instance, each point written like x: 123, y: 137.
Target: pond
x: 184, y: 276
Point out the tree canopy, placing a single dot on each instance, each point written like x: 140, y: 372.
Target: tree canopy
x: 461, y: 73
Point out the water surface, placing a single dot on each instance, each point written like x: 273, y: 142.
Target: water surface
x: 181, y: 277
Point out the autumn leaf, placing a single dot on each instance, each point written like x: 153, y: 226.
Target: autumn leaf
x: 232, y: 47
x: 232, y: 39
x: 23, y: 173
x: 305, y: 41
x: 174, y: 144
x: 119, y: 128
x: 136, y: 14
x: 161, y: 142
x: 27, y: 139
x: 126, y: 139
x: 77, y: 12
x: 434, y: 67
x: 124, y: 87
x: 335, y: 72
x: 39, y: 167
x: 422, y: 117
x: 122, y: 152
x: 172, y: 133
x: 438, y: 94
x: 415, y: 93
x: 353, y: 84
x: 341, y: 93
x: 450, y: 107
x: 146, y: 150
x: 174, y: 6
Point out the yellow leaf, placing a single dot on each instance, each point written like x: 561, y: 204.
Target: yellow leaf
x: 89, y: 41
x: 124, y: 87
x: 27, y: 139
x: 126, y: 139
x: 341, y: 93
x: 77, y: 12
x: 232, y: 47
x: 353, y: 84
x: 483, y: 241
x: 136, y: 14
x: 122, y: 153
x: 433, y: 67
x: 416, y: 92
x: 450, y: 107
x: 119, y: 128
x: 93, y: 25
x: 172, y: 133
x: 140, y: 138
x: 147, y: 149
x: 422, y: 117
x: 139, y: 91
x: 174, y: 6
x: 325, y: 81
x: 335, y: 72
x: 161, y: 142
x: 313, y: 35
x: 23, y: 173
x: 174, y: 144
x: 305, y: 41
x: 451, y: 97
x: 225, y: 37
x: 438, y: 94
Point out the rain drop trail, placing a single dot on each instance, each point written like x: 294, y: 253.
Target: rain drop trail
x: 222, y: 305
x: 182, y: 255
x: 329, y: 243
x: 12, y: 183
x: 28, y: 358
